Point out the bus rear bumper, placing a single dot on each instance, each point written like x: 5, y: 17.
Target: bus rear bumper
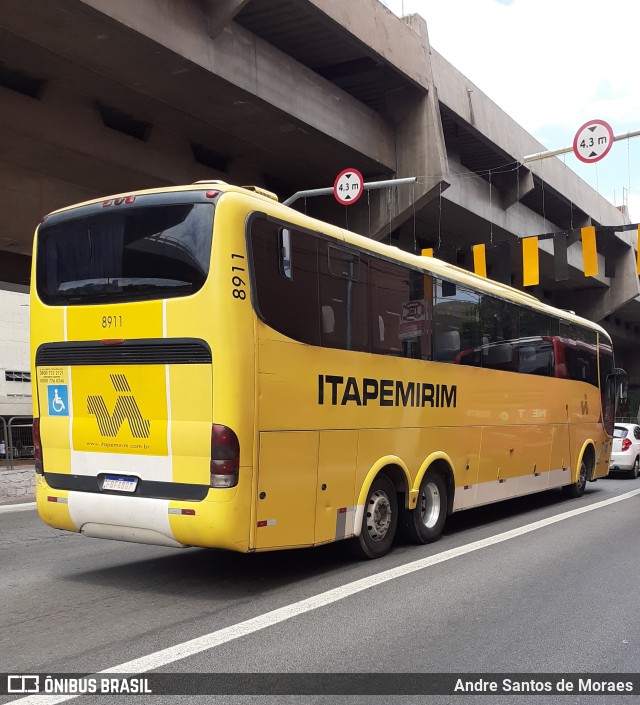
x: 129, y: 533
x: 146, y: 520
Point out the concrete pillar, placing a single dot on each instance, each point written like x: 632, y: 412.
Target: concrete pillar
x: 420, y: 151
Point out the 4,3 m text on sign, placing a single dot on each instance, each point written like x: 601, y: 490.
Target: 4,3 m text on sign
x: 348, y: 186
x: 593, y: 141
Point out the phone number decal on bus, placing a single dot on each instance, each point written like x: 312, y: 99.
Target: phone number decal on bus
x: 51, y: 372
x: 337, y: 391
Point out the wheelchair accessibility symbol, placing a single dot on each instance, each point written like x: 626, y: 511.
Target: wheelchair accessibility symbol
x: 58, y: 399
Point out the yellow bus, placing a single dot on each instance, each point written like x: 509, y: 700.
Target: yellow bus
x: 215, y: 369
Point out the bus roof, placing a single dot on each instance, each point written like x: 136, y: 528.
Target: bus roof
x: 432, y: 265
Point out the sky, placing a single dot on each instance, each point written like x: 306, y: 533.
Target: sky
x: 552, y: 65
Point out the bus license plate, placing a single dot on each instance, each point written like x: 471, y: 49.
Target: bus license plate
x: 122, y: 484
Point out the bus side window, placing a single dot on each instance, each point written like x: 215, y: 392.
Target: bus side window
x: 608, y: 385
x: 535, y: 357
x: 535, y: 350
x: 583, y: 361
x: 456, y: 324
x: 389, y: 290
x: 343, y: 298
x: 287, y: 303
x: 400, y: 310
x: 500, y: 333
x: 533, y: 323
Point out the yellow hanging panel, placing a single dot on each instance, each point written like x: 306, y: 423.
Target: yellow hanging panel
x: 589, y: 251
x: 530, y: 263
x: 480, y: 260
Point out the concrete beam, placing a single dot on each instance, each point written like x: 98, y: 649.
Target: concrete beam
x: 220, y: 13
x: 466, y: 100
x: 252, y: 65
x: 472, y: 193
x: 64, y: 121
x: 595, y: 304
x: 381, y: 34
x: 513, y: 185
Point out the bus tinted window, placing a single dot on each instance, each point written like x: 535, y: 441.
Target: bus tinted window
x: 535, y: 349
x: 134, y: 254
x: 500, y: 332
x: 456, y: 324
x: 581, y: 355
x: 535, y: 356
x: 400, y: 319
x: 533, y: 323
x: 343, y: 298
x: 607, y: 385
x: 286, y: 296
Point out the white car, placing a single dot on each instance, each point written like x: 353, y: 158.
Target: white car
x: 625, y: 453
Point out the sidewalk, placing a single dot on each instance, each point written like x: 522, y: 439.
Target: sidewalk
x: 17, y: 485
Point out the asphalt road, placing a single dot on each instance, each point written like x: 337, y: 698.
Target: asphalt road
x: 562, y: 598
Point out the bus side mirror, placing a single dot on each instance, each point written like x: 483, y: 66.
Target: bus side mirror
x: 621, y: 377
x: 623, y: 389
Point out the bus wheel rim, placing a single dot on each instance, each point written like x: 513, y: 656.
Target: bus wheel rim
x: 430, y: 505
x: 582, y: 479
x: 378, y: 516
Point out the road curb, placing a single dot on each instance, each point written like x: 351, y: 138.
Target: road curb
x: 13, y: 508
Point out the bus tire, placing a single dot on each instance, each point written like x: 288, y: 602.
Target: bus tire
x: 379, y: 520
x: 424, y: 524
x: 577, y: 488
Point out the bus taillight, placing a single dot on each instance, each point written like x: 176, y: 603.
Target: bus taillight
x: 225, y: 456
x: 37, y: 447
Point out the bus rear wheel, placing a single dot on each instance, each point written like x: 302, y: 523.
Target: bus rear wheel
x: 577, y: 488
x: 424, y: 524
x: 379, y: 521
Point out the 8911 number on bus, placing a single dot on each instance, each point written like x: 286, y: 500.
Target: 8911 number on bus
x: 237, y: 281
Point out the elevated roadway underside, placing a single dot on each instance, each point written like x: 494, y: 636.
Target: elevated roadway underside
x: 104, y: 96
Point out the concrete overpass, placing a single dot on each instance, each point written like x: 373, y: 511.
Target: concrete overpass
x: 99, y: 96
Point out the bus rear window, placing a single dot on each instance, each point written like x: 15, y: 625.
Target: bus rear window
x: 153, y: 252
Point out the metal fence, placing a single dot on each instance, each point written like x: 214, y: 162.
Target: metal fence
x: 16, y: 440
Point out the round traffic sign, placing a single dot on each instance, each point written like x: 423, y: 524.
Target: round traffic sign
x: 593, y: 141
x: 348, y: 186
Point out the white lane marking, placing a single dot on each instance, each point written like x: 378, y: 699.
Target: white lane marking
x: 236, y: 631
x: 22, y: 507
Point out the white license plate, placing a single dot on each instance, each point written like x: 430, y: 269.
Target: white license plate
x: 123, y: 484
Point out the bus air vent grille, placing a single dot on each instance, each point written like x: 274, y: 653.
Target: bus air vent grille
x: 162, y: 351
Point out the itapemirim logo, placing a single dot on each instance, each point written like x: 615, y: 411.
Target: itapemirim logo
x: 126, y: 409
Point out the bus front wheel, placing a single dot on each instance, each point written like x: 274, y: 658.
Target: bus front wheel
x: 379, y: 521
x: 424, y: 524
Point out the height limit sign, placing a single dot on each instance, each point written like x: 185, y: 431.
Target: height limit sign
x: 348, y: 186
x: 593, y: 141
